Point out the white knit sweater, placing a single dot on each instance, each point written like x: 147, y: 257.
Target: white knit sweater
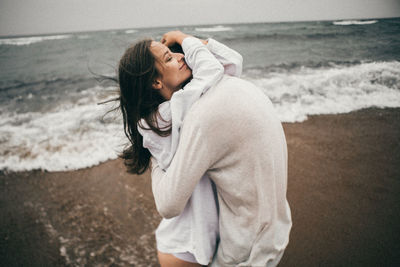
x: 233, y: 134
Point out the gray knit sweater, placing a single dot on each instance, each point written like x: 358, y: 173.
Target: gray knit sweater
x: 233, y: 134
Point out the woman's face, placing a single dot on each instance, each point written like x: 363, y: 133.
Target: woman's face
x: 172, y: 67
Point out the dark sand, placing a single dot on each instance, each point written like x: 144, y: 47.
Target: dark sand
x: 344, y: 192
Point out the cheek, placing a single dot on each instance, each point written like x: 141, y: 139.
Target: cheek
x: 172, y: 77
x: 188, y: 72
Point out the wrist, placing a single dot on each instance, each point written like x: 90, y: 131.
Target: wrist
x: 181, y: 37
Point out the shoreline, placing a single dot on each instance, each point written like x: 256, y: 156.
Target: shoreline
x: 343, y: 190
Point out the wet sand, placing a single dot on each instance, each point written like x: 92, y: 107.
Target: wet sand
x: 343, y: 188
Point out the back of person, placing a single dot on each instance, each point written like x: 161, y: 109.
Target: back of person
x: 248, y: 147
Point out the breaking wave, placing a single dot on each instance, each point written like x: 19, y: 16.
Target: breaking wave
x: 31, y: 40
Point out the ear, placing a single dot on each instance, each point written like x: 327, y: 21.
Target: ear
x: 157, y: 84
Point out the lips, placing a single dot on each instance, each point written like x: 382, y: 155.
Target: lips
x: 183, y: 65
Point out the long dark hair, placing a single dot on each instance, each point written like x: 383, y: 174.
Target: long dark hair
x: 138, y: 100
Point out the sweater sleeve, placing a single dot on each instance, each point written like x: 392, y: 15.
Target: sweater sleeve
x: 231, y: 60
x: 206, y: 69
x: 173, y: 188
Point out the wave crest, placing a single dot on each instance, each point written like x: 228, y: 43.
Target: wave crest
x: 130, y: 31
x: 73, y: 137
x: 31, y: 40
x: 354, y: 22
x: 338, y: 89
x: 218, y: 28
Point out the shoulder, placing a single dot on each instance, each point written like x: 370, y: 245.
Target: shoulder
x: 210, y: 111
x: 228, y: 95
x: 232, y: 102
x: 164, y: 110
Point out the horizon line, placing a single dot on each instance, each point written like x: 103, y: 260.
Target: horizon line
x: 182, y: 25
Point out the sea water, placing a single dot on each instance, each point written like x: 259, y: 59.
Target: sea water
x: 49, y: 113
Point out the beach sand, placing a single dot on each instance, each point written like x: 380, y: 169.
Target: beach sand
x: 343, y: 189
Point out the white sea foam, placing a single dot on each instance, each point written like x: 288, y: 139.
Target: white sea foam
x: 331, y: 91
x: 218, y: 28
x: 130, y: 31
x: 84, y: 36
x: 31, y: 40
x: 354, y: 22
x: 74, y: 136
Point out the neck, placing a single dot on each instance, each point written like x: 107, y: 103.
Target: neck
x: 166, y: 93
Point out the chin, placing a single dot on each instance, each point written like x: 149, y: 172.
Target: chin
x: 187, y: 81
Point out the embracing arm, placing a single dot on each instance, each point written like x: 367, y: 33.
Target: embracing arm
x: 173, y: 188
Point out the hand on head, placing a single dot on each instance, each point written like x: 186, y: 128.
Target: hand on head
x: 173, y: 37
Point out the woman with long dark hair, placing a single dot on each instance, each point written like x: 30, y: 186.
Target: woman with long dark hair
x: 153, y: 105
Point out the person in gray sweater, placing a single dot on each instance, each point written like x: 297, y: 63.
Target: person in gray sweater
x: 232, y: 134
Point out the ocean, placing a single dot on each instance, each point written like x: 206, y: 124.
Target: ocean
x: 49, y: 113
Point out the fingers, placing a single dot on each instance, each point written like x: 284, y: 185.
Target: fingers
x: 172, y: 37
x: 168, y: 38
x: 167, y: 41
x: 164, y: 40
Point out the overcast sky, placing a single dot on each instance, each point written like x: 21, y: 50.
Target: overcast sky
x: 24, y: 17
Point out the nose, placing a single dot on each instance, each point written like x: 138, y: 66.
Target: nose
x: 179, y: 56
